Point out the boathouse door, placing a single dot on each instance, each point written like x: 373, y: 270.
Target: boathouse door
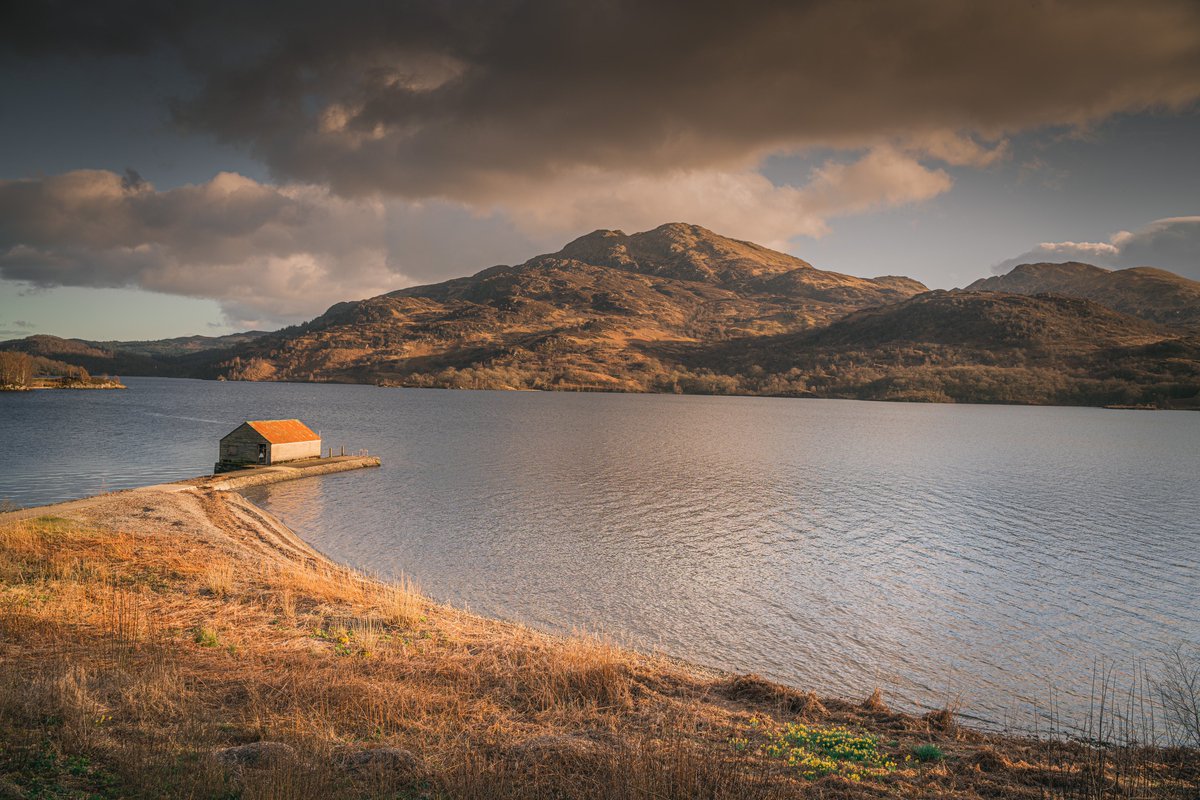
x: 262, y: 454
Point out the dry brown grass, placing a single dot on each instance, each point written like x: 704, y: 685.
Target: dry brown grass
x: 219, y: 578
x: 400, y: 603
x: 131, y: 660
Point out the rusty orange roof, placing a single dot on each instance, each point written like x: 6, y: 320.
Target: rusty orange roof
x: 282, y: 431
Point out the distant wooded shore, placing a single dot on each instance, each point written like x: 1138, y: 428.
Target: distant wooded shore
x: 21, y: 372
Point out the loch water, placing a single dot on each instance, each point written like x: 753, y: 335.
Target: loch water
x: 984, y: 554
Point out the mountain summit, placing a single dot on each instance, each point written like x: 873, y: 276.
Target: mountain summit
x: 683, y: 252
x: 597, y: 313
x: 686, y: 252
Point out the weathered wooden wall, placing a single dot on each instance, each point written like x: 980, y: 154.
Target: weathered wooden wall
x: 241, y: 446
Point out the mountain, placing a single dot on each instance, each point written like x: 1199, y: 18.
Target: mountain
x: 592, y: 315
x: 682, y: 309
x: 1145, y: 292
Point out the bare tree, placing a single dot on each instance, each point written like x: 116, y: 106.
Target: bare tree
x: 16, y: 370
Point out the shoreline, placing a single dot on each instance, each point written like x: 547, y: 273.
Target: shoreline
x: 232, y: 481
x: 227, y: 595
x: 1185, y: 404
x: 67, y: 387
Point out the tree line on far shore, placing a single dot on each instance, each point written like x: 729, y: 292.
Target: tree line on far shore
x: 23, y: 371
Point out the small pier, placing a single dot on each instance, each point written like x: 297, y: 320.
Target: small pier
x: 254, y: 475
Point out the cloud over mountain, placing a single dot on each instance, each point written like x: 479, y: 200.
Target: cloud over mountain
x: 265, y: 252
x: 1172, y: 244
x: 745, y: 203
x: 276, y: 254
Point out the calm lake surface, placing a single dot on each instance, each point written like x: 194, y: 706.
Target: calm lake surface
x: 983, y: 552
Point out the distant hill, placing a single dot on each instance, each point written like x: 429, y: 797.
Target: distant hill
x: 180, y: 345
x: 180, y: 357
x: 96, y: 360
x: 1145, y: 292
x: 43, y: 345
x: 989, y: 321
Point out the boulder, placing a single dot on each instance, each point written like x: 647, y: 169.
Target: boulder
x: 256, y: 754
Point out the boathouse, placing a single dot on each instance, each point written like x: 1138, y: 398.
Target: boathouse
x: 267, y: 441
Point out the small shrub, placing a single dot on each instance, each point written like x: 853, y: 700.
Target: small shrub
x: 206, y: 637
x: 928, y: 752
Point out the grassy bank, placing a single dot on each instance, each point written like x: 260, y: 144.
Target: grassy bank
x: 184, y: 643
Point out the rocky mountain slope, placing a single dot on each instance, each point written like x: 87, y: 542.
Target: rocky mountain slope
x: 989, y: 321
x: 1145, y: 292
x: 589, y: 316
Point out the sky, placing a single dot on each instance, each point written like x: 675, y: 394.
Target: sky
x: 206, y: 167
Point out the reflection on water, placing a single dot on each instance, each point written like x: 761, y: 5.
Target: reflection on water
x: 980, y: 551
x: 304, y: 506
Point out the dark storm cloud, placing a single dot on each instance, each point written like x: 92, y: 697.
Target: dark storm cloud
x: 54, y: 27
x: 420, y: 140
x: 481, y: 100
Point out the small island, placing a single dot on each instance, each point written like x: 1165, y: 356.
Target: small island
x: 20, y: 372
